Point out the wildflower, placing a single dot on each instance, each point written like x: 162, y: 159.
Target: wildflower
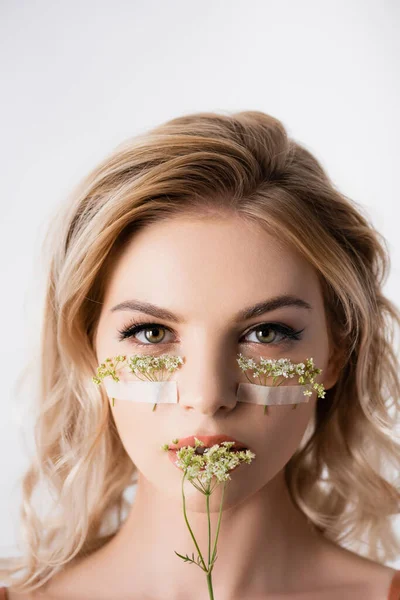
x: 152, y: 368
x: 283, y: 367
x: 206, y: 471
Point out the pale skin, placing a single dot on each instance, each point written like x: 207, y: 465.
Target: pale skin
x: 206, y: 271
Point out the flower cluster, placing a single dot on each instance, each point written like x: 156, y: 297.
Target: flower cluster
x: 216, y: 462
x: 159, y: 368
x: 283, y: 367
x: 149, y: 366
x: 200, y: 469
x: 152, y: 368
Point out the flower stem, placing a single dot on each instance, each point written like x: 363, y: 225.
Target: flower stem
x: 219, y: 522
x: 209, y: 529
x: 210, y: 587
x: 187, y: 523
x: 209, y: 580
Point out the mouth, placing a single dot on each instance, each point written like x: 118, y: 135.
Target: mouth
x: 208, y: 441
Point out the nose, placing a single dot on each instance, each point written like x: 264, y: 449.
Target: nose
x: 208, y: 382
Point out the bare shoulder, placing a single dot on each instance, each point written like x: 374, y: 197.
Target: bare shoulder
x: 12, y: 595
x: 338, y: 573
x: 64, y: 585
x: 38, y: 595
x: 358, y: 573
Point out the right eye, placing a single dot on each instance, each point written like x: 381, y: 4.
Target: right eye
x: 133, y: 329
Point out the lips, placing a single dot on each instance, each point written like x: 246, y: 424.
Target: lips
x: 208, y: 440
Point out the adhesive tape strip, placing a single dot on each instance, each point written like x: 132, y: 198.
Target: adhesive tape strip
x: 165, y: 392
x: 265, y: 394
x: 160, y: 392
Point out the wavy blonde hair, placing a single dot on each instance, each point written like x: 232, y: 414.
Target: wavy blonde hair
x: 209, y: 164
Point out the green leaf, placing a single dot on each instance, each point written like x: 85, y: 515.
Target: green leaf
x: 216, y: 556
x: 185, y: 558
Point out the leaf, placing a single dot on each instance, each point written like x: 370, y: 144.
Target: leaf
x: 185, y: 558
x: 216, y: 556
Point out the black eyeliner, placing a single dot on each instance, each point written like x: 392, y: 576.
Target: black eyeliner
x: 135, y: 327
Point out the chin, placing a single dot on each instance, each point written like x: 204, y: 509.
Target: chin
x: 237, y: 490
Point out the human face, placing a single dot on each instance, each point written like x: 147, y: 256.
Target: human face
x: 206, y: 271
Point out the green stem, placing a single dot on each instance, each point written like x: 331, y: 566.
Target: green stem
x: 210, y: 587
x: 280, y: 383
x: 248, y: 378
x: 209, y: 528
x: 219, y: 522
x: 187, y: 523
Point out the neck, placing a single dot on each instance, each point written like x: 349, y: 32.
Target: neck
x: 261, y: 546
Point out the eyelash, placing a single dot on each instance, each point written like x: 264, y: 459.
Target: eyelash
x: 134, y: 327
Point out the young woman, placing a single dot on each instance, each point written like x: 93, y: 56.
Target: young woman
x: 207, y: 237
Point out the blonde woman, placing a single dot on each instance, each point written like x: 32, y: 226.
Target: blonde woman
x: 209, y: 236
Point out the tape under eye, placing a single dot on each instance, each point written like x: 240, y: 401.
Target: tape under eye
x: 165, y: 392
x: 140, y: 378
x: 152, y: 392
x: 267, y: 395
x: 159, y: 389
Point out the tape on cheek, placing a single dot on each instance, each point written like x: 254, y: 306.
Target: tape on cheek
x: 267, y: 395
x: 165, y: 392
x: 152, y: 392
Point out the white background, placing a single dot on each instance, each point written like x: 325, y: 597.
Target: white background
x: 79, y: 77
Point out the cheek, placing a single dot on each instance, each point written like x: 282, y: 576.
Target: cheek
x: 278, y: 435
x: 135, y: 423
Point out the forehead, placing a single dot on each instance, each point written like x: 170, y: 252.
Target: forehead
x: 216, y: 263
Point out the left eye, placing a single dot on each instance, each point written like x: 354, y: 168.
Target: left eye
x: 287, y: 333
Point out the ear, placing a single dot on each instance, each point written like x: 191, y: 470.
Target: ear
x: 334, y: 368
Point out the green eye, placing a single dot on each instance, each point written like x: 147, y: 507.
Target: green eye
x: 288, y: 334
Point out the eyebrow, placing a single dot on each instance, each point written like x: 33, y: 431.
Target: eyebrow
x: 247, y: 313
